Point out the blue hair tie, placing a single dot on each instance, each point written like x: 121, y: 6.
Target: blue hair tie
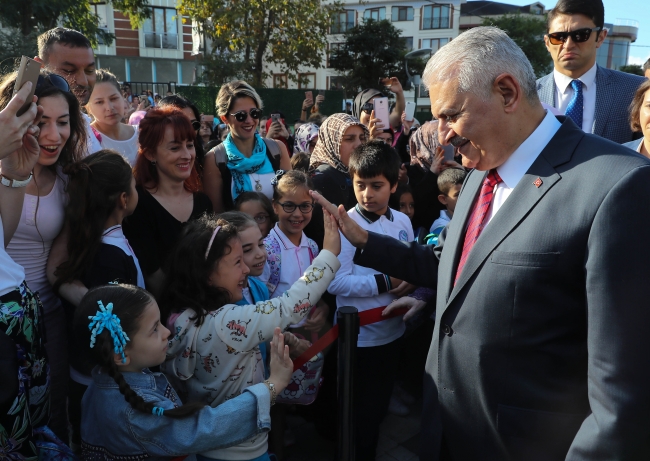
x: 104, y: 318
x: 277, y: 177
x: 158, y: 411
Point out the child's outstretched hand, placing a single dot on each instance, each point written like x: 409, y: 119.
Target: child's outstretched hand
x: 332, y: 238
x: 281, y: 364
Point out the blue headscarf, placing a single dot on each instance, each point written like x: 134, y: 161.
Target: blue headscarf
x: 240, y: 166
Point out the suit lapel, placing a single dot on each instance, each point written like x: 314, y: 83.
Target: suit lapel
x: 604, y: 101
x: 518, y: 205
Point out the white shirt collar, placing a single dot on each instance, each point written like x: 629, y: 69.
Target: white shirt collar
x: 563, y: 81
x: 286, y: 242
x: 521, y: 159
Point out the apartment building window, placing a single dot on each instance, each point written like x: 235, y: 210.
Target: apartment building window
x: 401, y: 13
x: 99, y: 9
x: 434, y: 43
x: 307, y: 81
x: 343, y: 21
x: 280, y: 81
x: 377, y: 14
x: 408, y: 42
x: 161, y: 30
x: 333, y: 47
x: 436, y: 17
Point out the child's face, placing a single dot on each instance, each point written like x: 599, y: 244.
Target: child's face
x: 451, y: 198
x: 373, y: 193
x: 252, y: 244
x: 256, y: 210
x: 292, y: 223
x: 407, y: 205
x: 231, y: 271
x: 148, y: 346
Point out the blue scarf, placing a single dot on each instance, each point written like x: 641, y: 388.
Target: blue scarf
x: 240, y: 167
x: 258, y: 292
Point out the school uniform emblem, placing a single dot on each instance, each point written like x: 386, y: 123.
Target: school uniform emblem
x: 403, y: 236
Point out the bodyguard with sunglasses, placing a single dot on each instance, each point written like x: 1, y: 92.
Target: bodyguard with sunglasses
x: 594, y: 97
x: 244, y: 161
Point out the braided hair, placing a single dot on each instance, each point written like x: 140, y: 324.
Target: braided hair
x: 129, y: 303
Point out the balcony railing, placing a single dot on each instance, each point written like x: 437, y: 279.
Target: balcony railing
x: 165, y: 41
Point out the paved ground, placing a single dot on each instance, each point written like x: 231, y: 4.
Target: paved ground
x: 399, y: 439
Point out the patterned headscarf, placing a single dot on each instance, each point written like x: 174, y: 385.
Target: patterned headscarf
x: 362, y: 98
x: 304, y: 134
x: 423, y: 145
x: 329, y: 141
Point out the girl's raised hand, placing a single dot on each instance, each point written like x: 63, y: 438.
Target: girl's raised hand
x: 332, y: 238
x: 281, y: 364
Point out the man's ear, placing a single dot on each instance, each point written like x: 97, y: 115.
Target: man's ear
x: 442, y: 199
x: 509, y: 91
x: 601, y: 38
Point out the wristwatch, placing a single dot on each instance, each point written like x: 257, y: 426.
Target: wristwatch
x: 14, y: 182
x: 271, y: 387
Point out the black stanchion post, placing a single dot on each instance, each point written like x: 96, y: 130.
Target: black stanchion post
x: 347, y: 319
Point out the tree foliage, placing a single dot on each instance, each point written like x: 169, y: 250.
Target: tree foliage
x: 527, y: 32
x: 288, y: 33
x: 632, y: 69
x: 372, y: 49
x: 25, y: 17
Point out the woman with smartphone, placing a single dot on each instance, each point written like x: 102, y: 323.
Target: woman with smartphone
x: 244, y: 161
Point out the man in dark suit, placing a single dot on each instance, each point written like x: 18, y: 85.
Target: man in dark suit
x: 542, y: 322
x: 595, y: 98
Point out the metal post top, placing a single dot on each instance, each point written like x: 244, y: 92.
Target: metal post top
x: 347, y: 310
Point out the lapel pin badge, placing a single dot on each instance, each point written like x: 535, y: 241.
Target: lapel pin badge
x: 538, y: 182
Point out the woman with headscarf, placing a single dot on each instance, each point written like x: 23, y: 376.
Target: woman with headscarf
x: 305, y: 138
x: 363, y: 105
x: 339, y: 135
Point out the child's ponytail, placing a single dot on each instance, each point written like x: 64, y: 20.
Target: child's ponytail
x: 95, y: 184
x: 128, y: 304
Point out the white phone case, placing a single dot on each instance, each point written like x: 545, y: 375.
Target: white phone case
x: 410, y: 110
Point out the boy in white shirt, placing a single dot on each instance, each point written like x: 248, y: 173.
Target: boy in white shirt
x: 374, y: 168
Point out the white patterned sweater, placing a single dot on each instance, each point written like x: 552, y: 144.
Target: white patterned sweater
x: 218, y: 360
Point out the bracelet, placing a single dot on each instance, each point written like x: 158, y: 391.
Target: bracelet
x: 271, y: 387
x: 14, y: 183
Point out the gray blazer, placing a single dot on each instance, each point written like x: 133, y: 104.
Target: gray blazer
x: 614, y: 93
x: 540, y: 350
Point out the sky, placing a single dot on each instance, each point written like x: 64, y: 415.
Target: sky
x: 618, y: 9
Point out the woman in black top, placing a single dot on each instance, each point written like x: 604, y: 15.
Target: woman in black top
x: 168, y: 187
x: 339, y: 135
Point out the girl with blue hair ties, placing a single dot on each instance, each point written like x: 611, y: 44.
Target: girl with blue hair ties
x: 121, y: 323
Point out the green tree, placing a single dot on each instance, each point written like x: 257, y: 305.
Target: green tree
x: 372, y: 49
x: 527, y: 32
x: 23, y: 17
x: 288, y: 33
x: 632, y: 69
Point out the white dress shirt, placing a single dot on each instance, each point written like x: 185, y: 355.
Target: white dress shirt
x: 564, y: 94
x: 521, y: 160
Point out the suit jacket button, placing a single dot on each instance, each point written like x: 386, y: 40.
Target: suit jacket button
x: 446, y: 329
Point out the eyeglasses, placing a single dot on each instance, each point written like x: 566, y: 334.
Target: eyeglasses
x: 242, y: 115
x: 368, y: 108
x: 196, y: 125
x: 578, y: 36
x: 261, y: 218
x: 304, y: 208
x: 52, y: 80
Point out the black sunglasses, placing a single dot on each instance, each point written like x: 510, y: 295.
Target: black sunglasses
x: 52, y: 80
x: 196, y: 125
x: 242, y: 115
x: 368, y: 108
x: 578, y: 36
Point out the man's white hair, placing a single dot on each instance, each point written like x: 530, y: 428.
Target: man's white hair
x: 476, y: 57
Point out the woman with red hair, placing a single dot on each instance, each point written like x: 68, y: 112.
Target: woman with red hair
x: 169, y: 190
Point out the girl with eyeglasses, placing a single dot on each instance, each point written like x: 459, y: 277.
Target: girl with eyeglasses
x: 61, y: 142
x: 244, y: 161
x: 106, y: 105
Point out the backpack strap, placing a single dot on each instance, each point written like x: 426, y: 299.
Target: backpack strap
x: 313, y: 250
x: 219, y: 152
x: 273, y: 152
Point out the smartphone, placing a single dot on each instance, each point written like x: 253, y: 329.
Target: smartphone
x: 28, y: 71
x: 207, y: 118
x: 410, y: 110
x: 309, y: 95
x: 275, y: 118
x: 449, y: 152
x: 381, y: 111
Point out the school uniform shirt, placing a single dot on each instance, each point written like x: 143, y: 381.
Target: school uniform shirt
x: 216, y: 361
x: 365, y: 288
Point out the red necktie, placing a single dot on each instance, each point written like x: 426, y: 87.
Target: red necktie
x: 478, y: 217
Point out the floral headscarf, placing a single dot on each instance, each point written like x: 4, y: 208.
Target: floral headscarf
x: 304, y: 135
x: 329, y: 141
x: 423, y: 145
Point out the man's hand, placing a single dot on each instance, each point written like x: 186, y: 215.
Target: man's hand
x: 13, y: 129
x: 355, y: 234
x: 413, y: 305
x: 402, y: 289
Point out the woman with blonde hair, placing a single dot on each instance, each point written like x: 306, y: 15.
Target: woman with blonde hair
x: 244, y: 161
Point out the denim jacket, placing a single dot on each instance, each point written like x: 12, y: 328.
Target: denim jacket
x: 112, y: 429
